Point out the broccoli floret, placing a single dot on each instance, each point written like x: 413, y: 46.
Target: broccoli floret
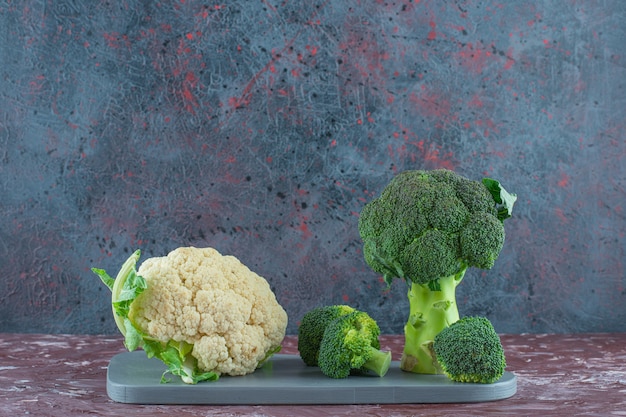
x: 416, y: 258
x: 428, y: 228
x: 470, y: 351
x: 350, y: 344
x: 481, y: 240
x: 311, y: 330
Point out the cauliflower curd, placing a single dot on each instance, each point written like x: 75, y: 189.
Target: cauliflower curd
x: 201, y: 313
x: 214, y: 302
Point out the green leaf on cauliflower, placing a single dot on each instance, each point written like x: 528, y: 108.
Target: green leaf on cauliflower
x: 125, y: 288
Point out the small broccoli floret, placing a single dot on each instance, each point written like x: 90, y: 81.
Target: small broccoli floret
x: 470, y: 351
x: 431, y: 256
x: 481, y: 241
x: 428, y: 228
x: 311, y: 330
x: 350, y: 343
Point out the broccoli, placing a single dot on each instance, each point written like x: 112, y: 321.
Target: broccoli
x: 350, y: 344
x: 470, y: 351
x: 311, y: 330
x: 428, y: 228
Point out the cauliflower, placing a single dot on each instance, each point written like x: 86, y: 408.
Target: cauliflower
x: 201, y: 313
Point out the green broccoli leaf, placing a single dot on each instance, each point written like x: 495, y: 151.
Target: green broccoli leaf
x: 503, y: 198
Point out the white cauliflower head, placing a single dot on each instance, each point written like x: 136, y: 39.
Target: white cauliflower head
x: 227, y: 312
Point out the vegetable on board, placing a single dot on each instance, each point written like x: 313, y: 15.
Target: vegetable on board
x: 201, y: 313
x: 428, y: 227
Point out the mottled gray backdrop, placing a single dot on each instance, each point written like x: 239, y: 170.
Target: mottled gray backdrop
x: 261, y: 128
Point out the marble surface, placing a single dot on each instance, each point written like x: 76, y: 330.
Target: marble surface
x: 576, y: 374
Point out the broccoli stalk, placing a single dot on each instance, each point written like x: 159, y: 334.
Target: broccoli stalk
x: 378, y: 363
x: 428, y: 228
x: 125, y: 288
x: 429, y: 312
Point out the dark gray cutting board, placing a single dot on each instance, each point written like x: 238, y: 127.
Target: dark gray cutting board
x: 285, y: 379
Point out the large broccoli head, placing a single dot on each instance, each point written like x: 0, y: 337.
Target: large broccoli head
x: 431, y: 224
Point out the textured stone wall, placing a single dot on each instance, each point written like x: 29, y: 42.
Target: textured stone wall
x: 261, y: 128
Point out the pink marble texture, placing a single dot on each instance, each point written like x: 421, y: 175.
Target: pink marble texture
x: 65, y: 375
